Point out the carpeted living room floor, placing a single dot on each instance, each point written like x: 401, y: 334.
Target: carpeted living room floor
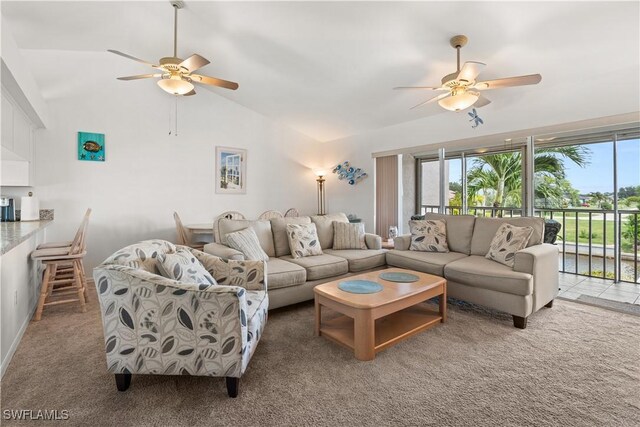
x: 575, y: 365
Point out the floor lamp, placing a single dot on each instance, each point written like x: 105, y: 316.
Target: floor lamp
x: 321, y: 202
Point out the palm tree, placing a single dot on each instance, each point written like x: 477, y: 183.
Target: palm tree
x: 502, y: 172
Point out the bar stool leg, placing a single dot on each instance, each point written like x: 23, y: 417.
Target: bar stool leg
x: 43, y: 291
x: 76, y: 267
x: 84, y: 280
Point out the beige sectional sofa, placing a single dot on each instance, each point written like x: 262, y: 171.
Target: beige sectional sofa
x: 291, y: 280
x: 522, y: 290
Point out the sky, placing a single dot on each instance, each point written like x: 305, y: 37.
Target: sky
x: 598, y: 174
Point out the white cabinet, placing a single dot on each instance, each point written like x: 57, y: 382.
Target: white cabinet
x: 7, y: 123
x: 21, y: 135
x: 18, y: 152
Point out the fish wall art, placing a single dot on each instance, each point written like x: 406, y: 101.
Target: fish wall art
x: 348, y: 173
x: 91, y: 147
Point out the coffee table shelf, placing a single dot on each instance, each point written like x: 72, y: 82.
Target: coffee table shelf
x: 389, y: 330
x: 369, y: 323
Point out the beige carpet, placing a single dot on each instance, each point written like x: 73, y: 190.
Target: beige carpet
x: 574, y: 365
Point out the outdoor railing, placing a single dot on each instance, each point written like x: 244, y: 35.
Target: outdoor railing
x: 587, y: 239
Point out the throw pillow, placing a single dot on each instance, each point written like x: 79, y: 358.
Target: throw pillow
x: 428, y: 235
x: 507, y: 241
x: 183, y: 266
x: 303, y: 240
x: 348, y: 236
x: 246, y: 241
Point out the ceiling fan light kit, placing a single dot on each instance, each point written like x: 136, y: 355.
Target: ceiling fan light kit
x: 176, y: 76
x: 461, y: 88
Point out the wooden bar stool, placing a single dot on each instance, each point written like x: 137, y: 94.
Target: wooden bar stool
x: 185, y: 236
x: 64, y: 271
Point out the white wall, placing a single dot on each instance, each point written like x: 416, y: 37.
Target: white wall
x: 149, y: 174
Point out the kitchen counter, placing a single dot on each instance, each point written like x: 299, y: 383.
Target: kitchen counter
x: 14, y: 233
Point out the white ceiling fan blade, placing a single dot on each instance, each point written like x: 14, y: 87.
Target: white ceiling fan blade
x: 428, y: 101
x: 213, y: 81
x: 482, y: 101
x: 192, y: 92
x: 132, y: 57
x: 470, y: 71
x: 140, y: 76
x: 531, y: 79
x: 194, y: 62
x: 420, y: 87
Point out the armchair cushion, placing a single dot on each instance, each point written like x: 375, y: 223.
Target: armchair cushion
x: 184, y: 267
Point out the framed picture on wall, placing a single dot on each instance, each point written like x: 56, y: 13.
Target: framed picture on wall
x: 91, y: 147
x: 231, y: 170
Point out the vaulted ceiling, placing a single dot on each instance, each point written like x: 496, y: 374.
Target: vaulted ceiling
x: 327, y: 68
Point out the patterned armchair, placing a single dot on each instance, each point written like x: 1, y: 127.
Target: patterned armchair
x: 155, y: 325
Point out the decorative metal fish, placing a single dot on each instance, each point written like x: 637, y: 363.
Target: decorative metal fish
x: 347, y: 172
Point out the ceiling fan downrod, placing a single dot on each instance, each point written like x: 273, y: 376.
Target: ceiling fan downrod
x: 176, y: 5
x: 458, y: 42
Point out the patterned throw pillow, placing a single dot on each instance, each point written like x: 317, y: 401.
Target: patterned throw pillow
x: 508, y: 240
x: 348, y: 236
x: 428, y: 235
x: 246, y: 241
x: 303, y: 240
x: 183, y: 266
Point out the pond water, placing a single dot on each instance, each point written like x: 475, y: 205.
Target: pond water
x: 597, y: 264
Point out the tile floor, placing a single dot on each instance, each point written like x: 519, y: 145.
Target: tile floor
x: 572, y: 286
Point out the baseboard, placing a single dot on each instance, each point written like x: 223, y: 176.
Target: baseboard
x: 18, y: 338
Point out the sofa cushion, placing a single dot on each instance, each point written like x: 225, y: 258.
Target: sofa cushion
x: 508, y: 240
x: 246, y: 241
x: 361, y: 259
x: 320, y: 266
x: 184, y: 267
x: 459, y: 230
x: 303, y: 240
x: 324, y: 225
x: 348, y: 236
x: 426, y: 262
x: 279, y: 230
x: 261, y: 227
x: 428, y: 235
x: 486, y: 228
x: 282, y: 274
x: 481, y: 272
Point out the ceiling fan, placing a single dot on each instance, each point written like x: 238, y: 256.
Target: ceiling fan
x: 176, y: 75
x: 461, y: 88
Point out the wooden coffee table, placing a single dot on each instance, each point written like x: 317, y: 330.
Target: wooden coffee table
x: 369, y: 323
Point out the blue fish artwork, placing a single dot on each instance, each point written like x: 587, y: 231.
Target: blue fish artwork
x: 475, y: 118
x: 348, y: 173
x: 91, y: 146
